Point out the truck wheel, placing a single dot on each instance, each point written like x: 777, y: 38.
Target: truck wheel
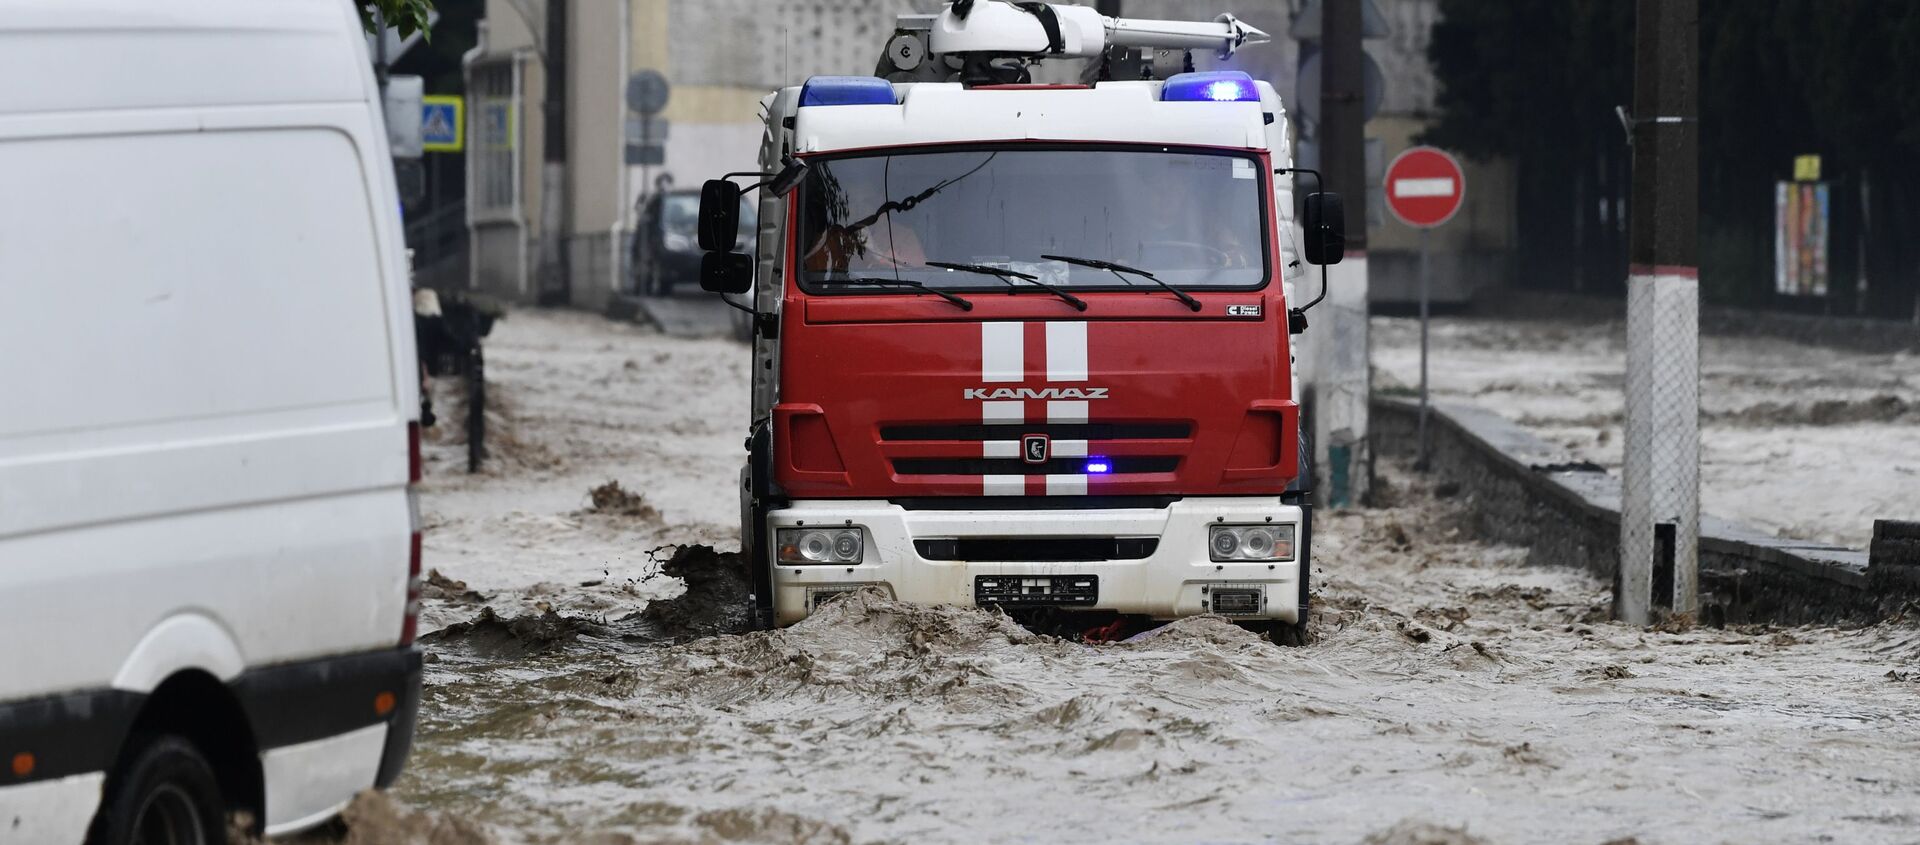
x: 754, y: 539
x: 1289, y: 634
x: 165, y: 795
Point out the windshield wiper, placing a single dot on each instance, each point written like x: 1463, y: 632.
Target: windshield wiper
x: 905, y: 283
x: 1008, y: 276
x: 1117, y: 268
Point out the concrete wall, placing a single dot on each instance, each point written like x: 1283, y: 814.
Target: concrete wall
x: 1524, y: 492
x: 597, y: 217
x: 722, y: 56
x: 502, y: 261
x: 1895, y: 555
x: 503, y: 247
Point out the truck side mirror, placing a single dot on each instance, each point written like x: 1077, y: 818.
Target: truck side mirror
x: 726, y: 272
x: 788, y: 178
x: 719, y: 216
x: 1326, y: 228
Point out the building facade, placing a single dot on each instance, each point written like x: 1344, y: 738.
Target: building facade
x: 720, y: 57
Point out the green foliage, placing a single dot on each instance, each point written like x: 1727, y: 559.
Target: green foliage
x: 408, y: 16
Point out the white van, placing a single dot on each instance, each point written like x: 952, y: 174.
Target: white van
x: 208, y: 437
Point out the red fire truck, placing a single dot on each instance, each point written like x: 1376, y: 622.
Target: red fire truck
x: 1027, y: 345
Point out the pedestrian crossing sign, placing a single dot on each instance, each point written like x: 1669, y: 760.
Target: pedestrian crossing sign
x: 442, y: 124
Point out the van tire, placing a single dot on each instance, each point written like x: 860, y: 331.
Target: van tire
x: 166, y: 785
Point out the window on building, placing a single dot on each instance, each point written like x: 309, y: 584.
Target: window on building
x: 493, y: 145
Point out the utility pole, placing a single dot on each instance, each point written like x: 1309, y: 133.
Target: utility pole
x: 554, y: 280
x: 380, y: 71
x: 1660, y: 477
x: 1342, y: 388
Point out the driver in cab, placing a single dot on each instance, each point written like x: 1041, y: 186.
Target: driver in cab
x: 874, y: 241
x: 1177, y: 231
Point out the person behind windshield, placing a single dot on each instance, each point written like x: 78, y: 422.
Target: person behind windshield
x: 1178, y: 232
x: 887, y: 242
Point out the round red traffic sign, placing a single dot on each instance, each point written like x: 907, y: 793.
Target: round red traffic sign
x: 1424, y: 187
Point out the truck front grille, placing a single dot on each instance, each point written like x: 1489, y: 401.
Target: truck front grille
x: 1037, y: 549
x: 1014, y: 466
x: 1057, y: 431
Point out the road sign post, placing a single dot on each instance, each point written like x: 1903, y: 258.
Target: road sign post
x: 647, y: 94
x: 1424, y: 187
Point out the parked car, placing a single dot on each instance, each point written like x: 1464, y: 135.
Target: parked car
x: 666, y: 250
x: 209, y: 553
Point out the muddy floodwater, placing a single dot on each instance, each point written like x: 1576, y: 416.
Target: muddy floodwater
x: 1451, y: 694
x: 1781, y: 422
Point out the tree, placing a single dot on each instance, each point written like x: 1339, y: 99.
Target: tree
x: 408, y: 16
x: 1536, y: 82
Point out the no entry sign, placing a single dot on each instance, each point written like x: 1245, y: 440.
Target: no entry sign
x: 1424, y: 187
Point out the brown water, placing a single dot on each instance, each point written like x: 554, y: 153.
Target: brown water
x: 1450, y: 692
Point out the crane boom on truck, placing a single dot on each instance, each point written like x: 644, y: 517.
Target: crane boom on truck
x: 1027, y: 346
x: 996, y: 41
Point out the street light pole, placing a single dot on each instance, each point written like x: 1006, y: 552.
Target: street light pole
x: 380, y: 70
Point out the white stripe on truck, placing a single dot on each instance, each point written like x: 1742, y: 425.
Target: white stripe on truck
x: 1003, y: 360
x: 1066, y: 485
x: 1003, y: 412
x: 1004, y: 485
x: 1003, y: 352
x: 1066, y: 352
x: 1067, y: 410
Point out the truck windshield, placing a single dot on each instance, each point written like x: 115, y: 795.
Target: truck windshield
x: 1192, y: 219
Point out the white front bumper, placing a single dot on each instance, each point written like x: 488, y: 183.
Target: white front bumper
x: 1174, y: 581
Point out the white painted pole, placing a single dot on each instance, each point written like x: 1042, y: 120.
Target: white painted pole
x: 1660, y: 468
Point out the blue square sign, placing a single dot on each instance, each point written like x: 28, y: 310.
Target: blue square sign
x: 442, y: 120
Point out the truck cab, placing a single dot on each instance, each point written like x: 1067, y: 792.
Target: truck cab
x: 1026, y: 346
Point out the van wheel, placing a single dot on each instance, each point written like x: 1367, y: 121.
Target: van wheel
x: 166, y: 795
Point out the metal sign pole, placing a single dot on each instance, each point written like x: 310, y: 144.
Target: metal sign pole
x: 1424, y: 188
x: 646, y: 137
x: 1424, y: 297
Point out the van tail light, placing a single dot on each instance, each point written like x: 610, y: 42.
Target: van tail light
x: 413, y: 452
x: 410, y: 627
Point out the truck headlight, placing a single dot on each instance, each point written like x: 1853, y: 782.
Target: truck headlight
x: 803, y: 546
x: 1250, y: 542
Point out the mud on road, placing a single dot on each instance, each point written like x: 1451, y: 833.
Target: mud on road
x: 1452, y: 694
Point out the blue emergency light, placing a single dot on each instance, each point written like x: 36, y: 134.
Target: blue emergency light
x: 1099, y: 466
x: 847, y: 91
x: 1217, y: 86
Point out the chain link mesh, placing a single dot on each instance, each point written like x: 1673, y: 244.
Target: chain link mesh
x: 1660, y: 474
